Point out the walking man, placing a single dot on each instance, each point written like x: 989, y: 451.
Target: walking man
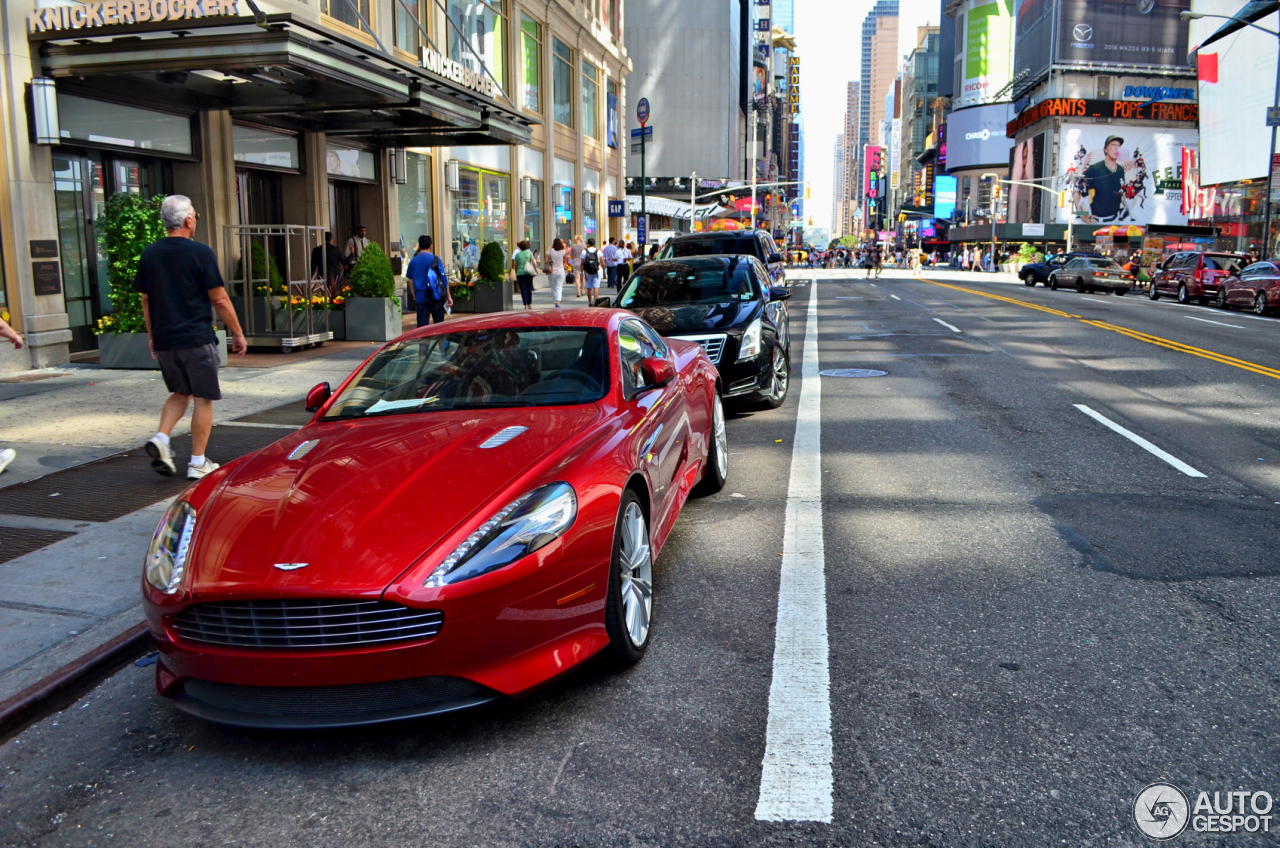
x: 610, y: 254
x: 181, y: 287
x: 356, y: 244
x: 430, y: 283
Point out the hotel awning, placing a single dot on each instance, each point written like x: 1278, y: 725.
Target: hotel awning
x: 285, y: 73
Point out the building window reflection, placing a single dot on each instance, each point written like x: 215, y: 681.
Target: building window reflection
x: 481, y: 214
x: 563, y: 82
x: 478, y: 33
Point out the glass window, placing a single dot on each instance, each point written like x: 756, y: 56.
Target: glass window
x: 408, y: 14
x: 533, y: 218
x: 634, y: 348
x: 590, y: 214
x: 564, y: 213
x: 531, y: 53
x: 263, y: 147
x: 341, y: 10
x: 726, y: 244
x: 590, y: 100
x: 415, y: 201
x: 481, y: 214
x: 706, y: 281
x: 611, y: 117
x: 478, y: 32
x: 563, y: 82
x: 480, y: 369
x: 351, y: 164
x: 82, y: 119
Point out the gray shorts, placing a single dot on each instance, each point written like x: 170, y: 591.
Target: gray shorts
x: 191, y: 371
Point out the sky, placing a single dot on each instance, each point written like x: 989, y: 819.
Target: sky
x: 829, y: 37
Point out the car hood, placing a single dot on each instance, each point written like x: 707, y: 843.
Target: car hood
x: 691, y: 318
x: 365, y: 503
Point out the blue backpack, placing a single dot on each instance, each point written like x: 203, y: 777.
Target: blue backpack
x: 435, y: 281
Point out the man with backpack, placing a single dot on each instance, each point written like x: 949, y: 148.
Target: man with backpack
x: 591, y: 271
x: 430, y: 283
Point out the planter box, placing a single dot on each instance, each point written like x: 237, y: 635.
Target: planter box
x: 466, y: 306
x: 495, y: 298
x: 294, y: 321
x: 338, y: 324
x: 372, y: 319
x: 131, y: 351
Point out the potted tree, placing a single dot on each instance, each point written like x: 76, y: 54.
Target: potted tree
x: 129, y: 224
x: 492, y: 293
x: 372, y: 309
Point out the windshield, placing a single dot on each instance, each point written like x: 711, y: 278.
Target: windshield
x: 479, y: 370
x: 665, y: 283
x: 726, y: 245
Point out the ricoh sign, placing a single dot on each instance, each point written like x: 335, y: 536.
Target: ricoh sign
x: 115, y: 12
x: 443, y: 66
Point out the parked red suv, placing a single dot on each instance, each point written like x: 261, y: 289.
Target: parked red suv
x: 1192, y: 275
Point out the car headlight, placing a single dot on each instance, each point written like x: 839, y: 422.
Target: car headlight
x: 530, y: 522
x: 167, y: 556
x: 750, y: 346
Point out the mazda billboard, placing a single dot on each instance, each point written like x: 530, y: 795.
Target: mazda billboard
x: 1100, y: 32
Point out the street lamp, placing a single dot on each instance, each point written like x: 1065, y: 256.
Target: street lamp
x: 1195, y: 16
x: 995, y: 182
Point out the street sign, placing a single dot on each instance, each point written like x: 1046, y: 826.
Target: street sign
x: 648, y: 133
x: 642, y: 229
x: 1273, y: 116
x: 617, y: 208
x: 642, y: 111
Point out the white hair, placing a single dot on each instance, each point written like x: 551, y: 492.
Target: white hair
x: 175, y: 210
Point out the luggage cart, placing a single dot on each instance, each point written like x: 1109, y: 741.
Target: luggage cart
x: 288, y: 308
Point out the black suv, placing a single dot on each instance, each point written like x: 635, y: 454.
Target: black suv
x: 744, y: 243
x: 1038, y: 272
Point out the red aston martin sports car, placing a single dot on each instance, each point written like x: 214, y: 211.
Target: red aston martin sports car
x: 474, y: 512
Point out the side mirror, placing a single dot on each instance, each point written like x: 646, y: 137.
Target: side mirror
x: 774, y: 257
x: 779, y: 293
x: 603, y: 301
x: 318, y: 397
x: 657, y: 371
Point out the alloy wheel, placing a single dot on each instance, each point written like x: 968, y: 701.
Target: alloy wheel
x: 1222, y: 298
x: 1260, y: 303
x: 1182, y: 294
x: 780, y: 378
x: 721, y: 435
x: 1080, y: 285
x: 636, y: 575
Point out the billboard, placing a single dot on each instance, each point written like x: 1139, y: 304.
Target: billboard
x: 1033, y: 38
x: 976, y: 137
x: 1234, y: 96
x: 988, y: 51
x: 1115, y: 174
x: 1027, y: 166
x: 944, y: 197
x: 1123, y: 32
x: 873, y: 171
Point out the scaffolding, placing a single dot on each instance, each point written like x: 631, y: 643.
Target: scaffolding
x: 286, y: 306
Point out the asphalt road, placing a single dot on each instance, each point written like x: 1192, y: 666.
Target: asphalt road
x: 1029, y: 619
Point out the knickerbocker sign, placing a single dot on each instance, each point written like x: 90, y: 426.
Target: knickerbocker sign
x: 113, y: 12
x: 441, y: 65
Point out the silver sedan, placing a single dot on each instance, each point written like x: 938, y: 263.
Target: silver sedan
x: 1092, y: 273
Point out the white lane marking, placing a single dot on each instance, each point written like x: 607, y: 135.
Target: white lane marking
x: 895, y: 297
x: 948, y: 326
x: 796, y: 782
x: 873, y: 285
x: 1219, y: 323
x: 1139, y: 441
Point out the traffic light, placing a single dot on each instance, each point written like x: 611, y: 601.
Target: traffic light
x: 806, y: 193
x: 1062, y: 199
x: 995, y: 189
x: 902, y: 217
x: 811, y: 222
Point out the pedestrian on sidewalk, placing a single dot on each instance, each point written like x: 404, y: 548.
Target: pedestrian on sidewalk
x: 555, y: 269
x: 181, y: 287
x: 6, y: 332
x: 610, y: 254
x: 575, y: 263
x: 356, y: 244
x: 526, y: 269
x: 591, y: 271
x: 430, y: 283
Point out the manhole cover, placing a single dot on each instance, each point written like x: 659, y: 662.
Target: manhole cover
x: 853, y: 372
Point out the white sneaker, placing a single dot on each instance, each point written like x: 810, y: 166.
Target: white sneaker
x: 7, y: 456
x: 161, y: 457
x: 195, y: 472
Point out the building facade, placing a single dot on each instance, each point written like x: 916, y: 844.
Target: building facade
x: 879, y: 65
x: 465, y: 119
x: 919, y: 90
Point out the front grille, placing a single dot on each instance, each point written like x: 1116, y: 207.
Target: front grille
x: 713, y: 345
x: 303, y: 624
x: 361, y: 698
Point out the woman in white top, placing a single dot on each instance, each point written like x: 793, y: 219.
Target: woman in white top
x: 555, y: 269
x: 575, y: 262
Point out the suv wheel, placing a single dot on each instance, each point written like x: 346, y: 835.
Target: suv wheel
x: 1182, y: 294
x: 1153, y: 293
x: 1029, y: 279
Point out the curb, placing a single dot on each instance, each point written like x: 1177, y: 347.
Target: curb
x: 68, y: 683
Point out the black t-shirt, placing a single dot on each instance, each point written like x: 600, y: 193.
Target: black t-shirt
x: 1107, y: 186
x: 176, y: 274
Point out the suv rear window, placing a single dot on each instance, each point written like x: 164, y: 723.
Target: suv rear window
x: 1217, y: 262
x: 728, y: 244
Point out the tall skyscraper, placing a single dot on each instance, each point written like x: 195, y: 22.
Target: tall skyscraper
x: 852, y: 150
x: 839, y: 200
x: 879, y: 66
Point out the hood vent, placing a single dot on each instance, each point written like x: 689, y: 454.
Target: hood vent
x: 303, y: 449
x: 501, y: 437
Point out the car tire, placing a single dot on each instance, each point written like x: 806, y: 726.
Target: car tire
x: 1053, y: 283
x: 1222, y: 298
x: 1029, y: 280
x: 717, y: 470
x: 779, y: 378
x: 1154, y: 293
x: 1183, y: 297
x: 1080, y: 285
x: 628, y: 610
x: 1260, y: 305
x: 1121, y: 292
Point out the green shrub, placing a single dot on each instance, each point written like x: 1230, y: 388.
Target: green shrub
x: 129, y: 224
x: 263, y: 267
x: 493, y: 264
x: 372, y: 275
x: 1027, y: 252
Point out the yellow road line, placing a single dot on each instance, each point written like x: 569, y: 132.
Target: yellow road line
x: 1125, y: 331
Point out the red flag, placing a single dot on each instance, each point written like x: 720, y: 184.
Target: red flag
x: 1208, y: 67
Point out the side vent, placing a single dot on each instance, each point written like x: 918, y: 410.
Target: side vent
x: 501, y: 437
x: 303, y: 449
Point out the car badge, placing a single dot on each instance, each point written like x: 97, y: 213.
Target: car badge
x: 291, y: 566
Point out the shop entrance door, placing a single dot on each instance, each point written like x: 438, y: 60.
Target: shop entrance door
x: 344, y: 211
